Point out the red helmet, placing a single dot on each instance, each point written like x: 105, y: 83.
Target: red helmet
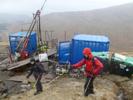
x: 87, y: 51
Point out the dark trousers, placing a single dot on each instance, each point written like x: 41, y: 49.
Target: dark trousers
x: 88, y: 87
x: 38, y: 83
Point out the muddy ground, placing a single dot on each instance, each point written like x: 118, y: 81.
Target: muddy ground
x: 108, y: 87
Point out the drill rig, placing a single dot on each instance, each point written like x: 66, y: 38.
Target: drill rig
x: 21, y: 48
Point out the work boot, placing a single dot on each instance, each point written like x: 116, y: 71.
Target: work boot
x: 85, y: 95
x: 88, y: 93
x: 92, y: 92
x: 38, y: 92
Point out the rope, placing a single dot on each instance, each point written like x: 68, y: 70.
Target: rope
x: 43, y: 5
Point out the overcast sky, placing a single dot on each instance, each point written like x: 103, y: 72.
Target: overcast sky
x: 30, y: 6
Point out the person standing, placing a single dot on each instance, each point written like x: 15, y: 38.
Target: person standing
x: 92, y: 69
x: 37, y: 70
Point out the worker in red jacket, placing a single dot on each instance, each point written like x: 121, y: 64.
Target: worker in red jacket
x: 92, y: 69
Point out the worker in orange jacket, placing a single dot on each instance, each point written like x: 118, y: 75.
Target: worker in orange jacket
x: 92, y: 69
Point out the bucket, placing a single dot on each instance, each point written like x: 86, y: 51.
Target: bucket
x: 43, y: 57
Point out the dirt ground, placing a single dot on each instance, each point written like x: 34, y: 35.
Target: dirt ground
x: 106, y: 88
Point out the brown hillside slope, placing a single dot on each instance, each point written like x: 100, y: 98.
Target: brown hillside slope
x: 115, y: 22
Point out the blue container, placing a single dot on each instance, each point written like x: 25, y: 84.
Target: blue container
x: 15, y: 38
x: 96, y: 43
x: 63, y: 52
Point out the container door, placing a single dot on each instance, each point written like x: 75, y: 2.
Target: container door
x: 63, y: 52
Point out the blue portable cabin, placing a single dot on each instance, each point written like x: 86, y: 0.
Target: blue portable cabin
x: 97, y: 43
x: 63, y: 51
x: 15, y: 38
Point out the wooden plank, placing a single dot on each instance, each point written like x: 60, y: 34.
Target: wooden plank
x: 4, y: 61
x: 18, y: 64
x: 25, y: 62
x: 21, y: 78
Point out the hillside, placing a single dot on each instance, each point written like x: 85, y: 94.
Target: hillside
x: 115, y: 22
x: 10, y: 23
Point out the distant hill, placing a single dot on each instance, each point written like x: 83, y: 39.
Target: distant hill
x: 11, y: 18
x: 115, y: 22
x: 10, y: 23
